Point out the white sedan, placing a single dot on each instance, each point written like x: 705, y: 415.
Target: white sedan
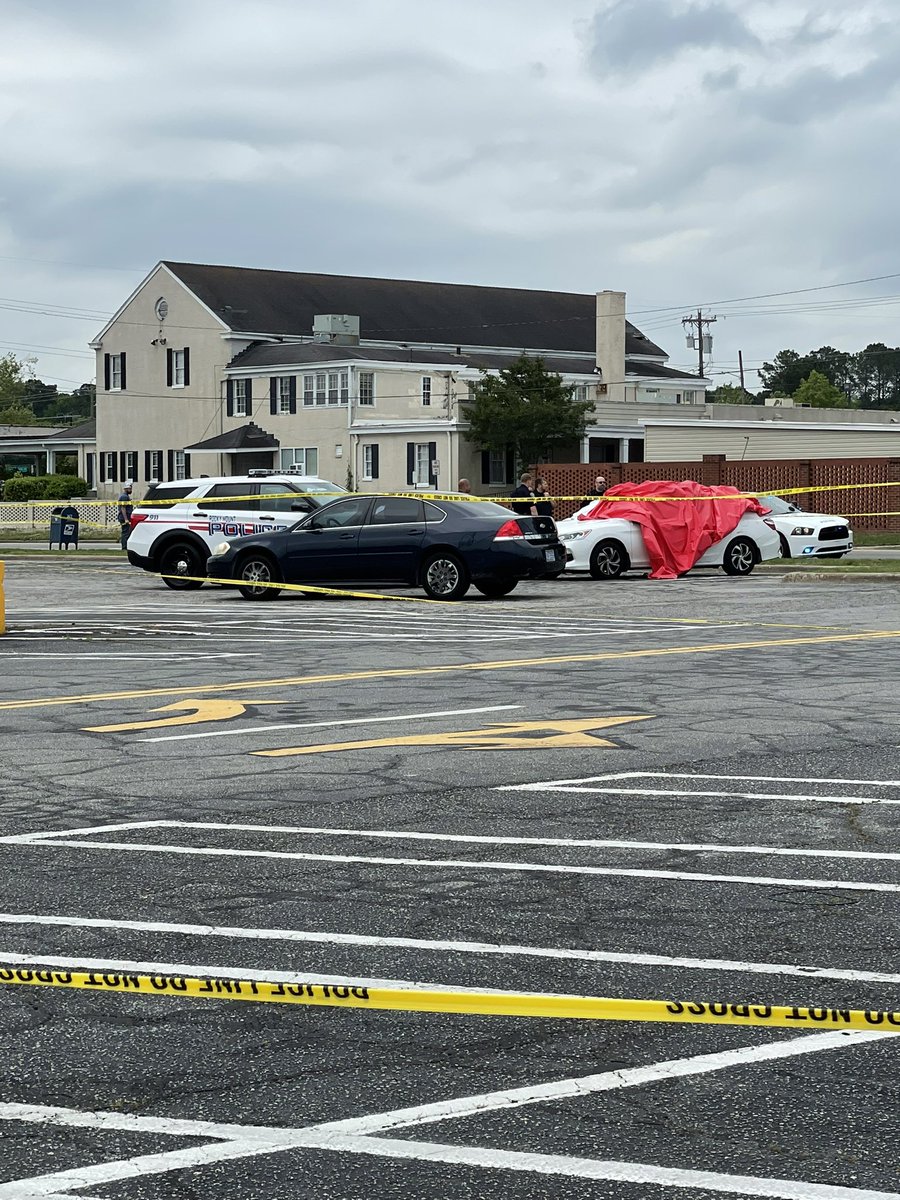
x: 608, y: 546
x: 806, y: 534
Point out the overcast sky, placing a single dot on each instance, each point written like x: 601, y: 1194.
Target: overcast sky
x: 685, y: 153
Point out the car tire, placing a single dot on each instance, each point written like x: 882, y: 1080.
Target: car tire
x: 494, y: 589
x: 444, y: 576
x: 609, y: 559
x: 259, y: 573
x: 740, y: 557
x: 181, y: 559
x: 785, y: 547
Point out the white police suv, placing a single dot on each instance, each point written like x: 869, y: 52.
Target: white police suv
x: 176, y: 525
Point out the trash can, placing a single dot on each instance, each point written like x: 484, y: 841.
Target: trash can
x: 64, y: 522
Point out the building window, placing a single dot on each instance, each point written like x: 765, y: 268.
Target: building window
x: 423, y: 464
x: 370, y: 461
x: 241, y: 399
x: 177, y: 368
x: 154, y: 464
x: 304, y: 460
x: 110, y: 457
x: 130, y: 465
x: 426, y: 391
x: 180, y: 465
x: 580, y: 392
x: 345, y: 387
x: 690, y: 397
x: 497, y: 467
x: 367, y: 388
x: 116, y: 372
x: 284, y: 394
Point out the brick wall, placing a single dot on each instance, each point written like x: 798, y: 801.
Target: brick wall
x: 878, y: 507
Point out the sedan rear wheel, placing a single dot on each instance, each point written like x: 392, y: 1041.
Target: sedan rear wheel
x: 608, y: 560
x: 444, y: 577
x: 258, y: 573
x: 740, y: 557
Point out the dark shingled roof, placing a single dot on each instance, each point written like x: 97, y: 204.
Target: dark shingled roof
x: 86, y: 431
x: 285, y: 355
x: 402, y: 310
x: 246, y: 437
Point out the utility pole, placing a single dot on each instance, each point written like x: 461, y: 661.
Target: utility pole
x: 741, y: 369
x: 699, y: 341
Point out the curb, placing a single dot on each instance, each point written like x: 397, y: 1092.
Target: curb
x: 841, y: 576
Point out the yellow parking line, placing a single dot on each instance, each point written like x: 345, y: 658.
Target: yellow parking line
x: 513, y: 664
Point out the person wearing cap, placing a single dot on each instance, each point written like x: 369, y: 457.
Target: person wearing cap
x: 126, y: 508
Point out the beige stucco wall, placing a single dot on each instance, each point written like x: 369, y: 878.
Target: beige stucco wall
x: 688, y: 443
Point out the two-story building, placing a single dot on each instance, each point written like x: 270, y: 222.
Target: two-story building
x: 216, y: 370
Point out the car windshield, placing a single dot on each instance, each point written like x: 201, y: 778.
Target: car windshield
x: 778, y: 506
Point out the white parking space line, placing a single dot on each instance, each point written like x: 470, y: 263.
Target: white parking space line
x: 697, y: 795
x: 256, y: 729
x: 354, y: 1135
x: 511, y: 950
x: 540, y: 785
x: 460, y: 864
x: 112, y: 656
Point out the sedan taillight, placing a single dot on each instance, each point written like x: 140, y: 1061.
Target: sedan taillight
x: 509, y: 532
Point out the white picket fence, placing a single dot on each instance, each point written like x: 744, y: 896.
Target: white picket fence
x: 35, y: 514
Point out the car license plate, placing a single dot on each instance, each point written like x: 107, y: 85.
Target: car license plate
x: 550, y: 555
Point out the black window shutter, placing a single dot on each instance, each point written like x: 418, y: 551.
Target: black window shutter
x: 229, y: 397
x: 374, y: 462
x: 187, y: 366
x: 293, y: 397
x: 122, y: 360
x: 170, y: 370
x: 106, y: 372
x: 161, y: 461
x: 136, y: 461
x: 410, y: 462
x: 510, y: 464
x: 102, y: 465
x: 485, y: 466
x: 273, y: 396
x: 187, y: 466
x: 89, y: 471
x: 147, y: 465
x: 123, y: 464
x: 432, y: 455
x: 170, y: 467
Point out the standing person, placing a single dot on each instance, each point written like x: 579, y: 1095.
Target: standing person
x: 126, y: 508
x: 599, y: 490
x: 527, y: 507
x: 464, y: 486
x: 544, y: 506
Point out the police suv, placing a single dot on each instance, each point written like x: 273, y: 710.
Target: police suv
x: 176, y: 525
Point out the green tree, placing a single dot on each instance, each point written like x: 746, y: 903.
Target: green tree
x: 17, y: 414
x: 788, y: 369
x: 818, y: 391
x: 730, y: 393
x: 527, y: 407
x: 12, y: 381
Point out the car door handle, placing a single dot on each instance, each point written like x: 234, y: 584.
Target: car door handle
x: 345, y: 536
x: 414, y: 532
x: 266, y: 517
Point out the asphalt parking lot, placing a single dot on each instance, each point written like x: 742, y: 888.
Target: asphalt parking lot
x: 629, y: 789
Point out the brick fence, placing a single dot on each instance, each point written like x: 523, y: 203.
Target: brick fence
x: 879, y: 507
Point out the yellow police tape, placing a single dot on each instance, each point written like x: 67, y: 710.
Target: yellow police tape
x: 489, y: 1004
x: 305, y: 587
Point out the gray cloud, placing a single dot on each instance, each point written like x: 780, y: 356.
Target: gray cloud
x: 639, y: 33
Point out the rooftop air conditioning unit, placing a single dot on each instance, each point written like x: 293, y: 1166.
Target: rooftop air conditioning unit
x: 336, y: 327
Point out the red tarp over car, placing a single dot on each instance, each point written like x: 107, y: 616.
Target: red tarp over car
x: 677, y: 532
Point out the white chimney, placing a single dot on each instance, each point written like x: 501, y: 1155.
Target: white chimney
x: 611, y: 342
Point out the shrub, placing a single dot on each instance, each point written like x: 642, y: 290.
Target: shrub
x: 22, y: 487
x: 61, y: 487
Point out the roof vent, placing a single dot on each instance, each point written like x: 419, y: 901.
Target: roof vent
x: 338, y: 328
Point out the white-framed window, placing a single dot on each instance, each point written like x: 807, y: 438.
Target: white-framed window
x: 690, y: 397
x: 155, y: 461
x: 241, y: 392
x: 110, y: 464
x: 178, y: 368
x: 309, y: 391
x: 366, y: 389
x: 115, y: 372
x: 370, y: 461
x: 180, y: 465
x: 580, y: 392
x: 334, y: 388
x: 304, y: 459
x: 284, y: 393
x: 321, y: 389
x: 422, y: 464
x: 497, y: 467
x: 130, y: 465
x: 426, y: 391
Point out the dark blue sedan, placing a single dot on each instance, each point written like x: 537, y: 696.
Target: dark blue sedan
x: 441, y: 545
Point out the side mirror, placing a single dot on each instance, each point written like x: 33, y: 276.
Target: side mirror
x: 301, y: 506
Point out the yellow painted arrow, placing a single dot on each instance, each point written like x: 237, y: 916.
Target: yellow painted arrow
x: 198, y: 712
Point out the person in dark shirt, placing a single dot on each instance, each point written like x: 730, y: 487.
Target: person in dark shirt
x: 544, y: 506
x: 527, y: 507
x: 599, y: 490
